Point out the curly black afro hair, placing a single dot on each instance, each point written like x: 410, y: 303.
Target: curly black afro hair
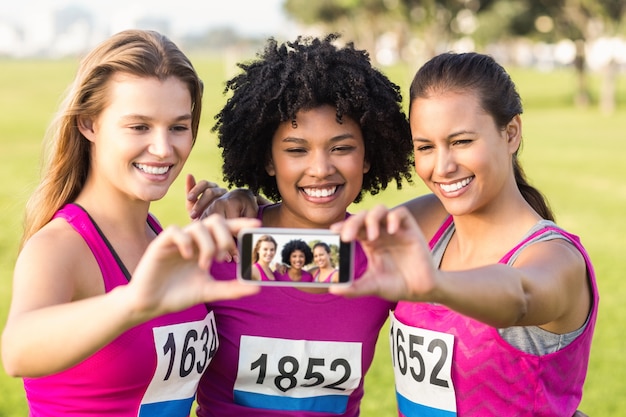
x: 294, y: 245
x: 302, y: 75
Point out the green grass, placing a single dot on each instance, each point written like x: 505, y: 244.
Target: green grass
x: 574, y: 156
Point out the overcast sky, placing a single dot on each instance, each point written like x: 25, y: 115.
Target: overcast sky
x: 246, y: 16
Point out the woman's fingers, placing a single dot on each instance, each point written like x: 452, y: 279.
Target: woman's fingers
x: 200, y: 195
x: 214, y: 238
x: 235, y: 203
x: 364, y: 226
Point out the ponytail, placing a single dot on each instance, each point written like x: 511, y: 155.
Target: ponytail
x: 532, y: 195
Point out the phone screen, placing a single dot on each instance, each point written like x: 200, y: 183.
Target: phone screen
x: 294, y: 257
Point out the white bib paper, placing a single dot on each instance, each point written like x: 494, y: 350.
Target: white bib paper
x: 422, y: 362
x: 183, y: 352
x: 284, y: 374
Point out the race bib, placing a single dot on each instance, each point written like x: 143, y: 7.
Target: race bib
x: 304, y: 375
x: 183, y: 352
x: 422, y: 362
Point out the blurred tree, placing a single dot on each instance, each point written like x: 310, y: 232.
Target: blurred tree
x: 420, y: 29
x: 440, y: 22
x: 360, y: 21
x: 583, y: 22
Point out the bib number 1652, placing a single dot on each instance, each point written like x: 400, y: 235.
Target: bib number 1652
x: 422, y: 363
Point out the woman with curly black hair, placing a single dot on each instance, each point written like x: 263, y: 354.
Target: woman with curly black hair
x: 314, y: 126
x: 303, y: 75
x: 296, y: 254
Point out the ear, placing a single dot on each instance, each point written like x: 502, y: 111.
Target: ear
x: 366, y: 166
x: 269, y: 168
x: 513, y: 133
x: 85, y: 126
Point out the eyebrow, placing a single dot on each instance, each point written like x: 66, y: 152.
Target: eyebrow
x: 449, y: 137
x: 303, y: 140
x: 129, y: 117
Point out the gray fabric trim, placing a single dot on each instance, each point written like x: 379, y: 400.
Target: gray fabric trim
x: 529, y: 339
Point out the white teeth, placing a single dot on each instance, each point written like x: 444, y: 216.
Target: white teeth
x: 153, y: 170
x: 320, y: 192
x: 448, y: 188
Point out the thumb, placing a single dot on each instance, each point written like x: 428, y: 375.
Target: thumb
x: 190, y: 182
x: 365, y: 285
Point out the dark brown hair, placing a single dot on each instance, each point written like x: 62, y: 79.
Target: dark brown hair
x: 498, y: 96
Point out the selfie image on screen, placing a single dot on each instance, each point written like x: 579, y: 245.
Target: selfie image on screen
x: 293, y: 258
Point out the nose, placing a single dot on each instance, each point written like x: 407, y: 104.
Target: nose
x: 161, y: 144
x: 445, y: 163
x: 320, y: 165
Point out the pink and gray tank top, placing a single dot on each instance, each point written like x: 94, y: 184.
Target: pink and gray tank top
x: 447, y: 364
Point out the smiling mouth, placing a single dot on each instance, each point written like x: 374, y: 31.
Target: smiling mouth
x: 448, y: 188
x: 320, y: 192
x: 149, y: 169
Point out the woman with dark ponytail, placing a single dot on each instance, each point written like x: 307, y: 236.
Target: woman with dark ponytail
x: 498, y: 97
x: 501, y: 322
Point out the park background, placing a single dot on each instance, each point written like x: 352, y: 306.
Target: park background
x: 568, y: 63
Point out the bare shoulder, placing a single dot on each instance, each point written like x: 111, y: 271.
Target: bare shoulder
x: 57, y: 240
x: 556, y: 273
x: 559, y: 256
x: 428, y: 212
x: 56, y: 262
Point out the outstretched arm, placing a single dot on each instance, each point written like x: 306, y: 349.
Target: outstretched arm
x: 52, y: 327
x: 547, y: 287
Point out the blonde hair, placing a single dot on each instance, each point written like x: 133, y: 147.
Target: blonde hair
x: 67, y: 162
x: 257, y: 246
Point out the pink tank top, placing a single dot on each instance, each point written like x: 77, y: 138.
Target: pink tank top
x: 150, y: 370
x: 447, y: 364
x: 317, y: 278
x: 264, y: 277
x: 306, y: 276
x: 286, y: 352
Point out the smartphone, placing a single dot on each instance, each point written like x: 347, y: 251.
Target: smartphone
x: 294, y: 257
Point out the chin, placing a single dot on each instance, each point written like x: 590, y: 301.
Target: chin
x: 154, y: 197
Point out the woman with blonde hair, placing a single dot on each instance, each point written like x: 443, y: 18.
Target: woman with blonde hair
x: 264, y: 251
x: 108, y: 315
